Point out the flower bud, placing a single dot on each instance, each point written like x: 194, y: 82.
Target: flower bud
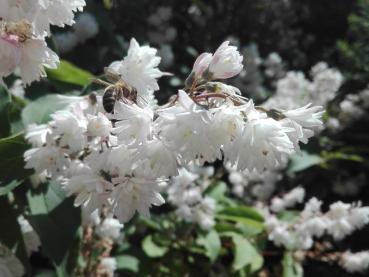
x: 202, y: 63
x: 226, y: 62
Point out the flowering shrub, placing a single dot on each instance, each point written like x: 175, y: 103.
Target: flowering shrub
x: 217, y: 171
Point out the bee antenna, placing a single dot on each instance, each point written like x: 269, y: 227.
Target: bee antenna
x: 99, y: 81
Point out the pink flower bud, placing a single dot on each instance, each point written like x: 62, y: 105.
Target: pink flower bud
x: 202, y: 63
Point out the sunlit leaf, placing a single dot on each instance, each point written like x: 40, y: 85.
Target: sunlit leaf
x: 69, y: 73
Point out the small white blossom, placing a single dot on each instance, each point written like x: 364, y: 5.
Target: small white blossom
x: 133, y: 194
x: 134, y: 124
x: 355, y: 262
x: 139, y: 69
x: 98, y: 126
x: 107, y: 266
x: 109, y: 228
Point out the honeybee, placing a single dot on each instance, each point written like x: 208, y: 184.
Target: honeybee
x: 116, y: 89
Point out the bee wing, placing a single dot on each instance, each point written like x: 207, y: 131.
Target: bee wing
x: 111, y: 75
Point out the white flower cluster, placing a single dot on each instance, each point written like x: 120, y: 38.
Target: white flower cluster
x: 248, y: 184
x: 24, y: 25
x: 353, y: 107
x: 298, y: 234
x: 295, y: 89
x: 288, y: 200
x: 86, y: 27
x: 107, y: 266
x: 108, y: 227
x: 115, y: 151
x: 186, y: 193
x: 355, y: 262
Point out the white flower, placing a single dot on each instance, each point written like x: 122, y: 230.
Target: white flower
x: 264, y: 143
x: 139, y: 69
x: 359, y: 217
x: 55, y: 12
x: 109, y: 228
x: 17, y: 89
x: 36, y: 134
x: 30, y: 55
x: 204, y: 213
x: 35, y: 55
x: 108, y: 265
x: 185, y: 127
x: 226, y: 62
x: 227, y: 126
x: 118, y: 161
x: 355, y: 262
x: 98, y: 126
x: 294, y: 196
x: 10, y: 53
x: 277, y: 204
x: 339, y: 210
x: 134, y: 124
x: 91, y: 190
x: 133, y: 194
x: 49, y: 158
x: 280, y: 235
x: 315, y: 226
x: 70, y: 129
x: 157, y: 159
x: 312, y: 206
x: 307, y: 117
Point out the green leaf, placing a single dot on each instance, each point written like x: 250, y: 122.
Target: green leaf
x: 245, y: 254
x: 250, y: 227
x: 11, y: 159
x: 9, y: 187
x: 338, y: 155
x: 152, y: 249
x: 217, y: 190
x: 243, y: 211
x: 5, y: 101
x: 39, y: 110
x: 291, y: 268
x: 302, y: 161
x: 212, y: 244
x: 69, y: 73
x: 127, y: 262
x: 55, y: 220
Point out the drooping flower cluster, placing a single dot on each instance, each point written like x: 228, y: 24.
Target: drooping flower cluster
x: 186, y: 193
x: 250, y: 185
x: 339, y: 221
x: 119, y: 159
x: 351, y: 108
x: 23, y: 28
x: 295, y: 89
